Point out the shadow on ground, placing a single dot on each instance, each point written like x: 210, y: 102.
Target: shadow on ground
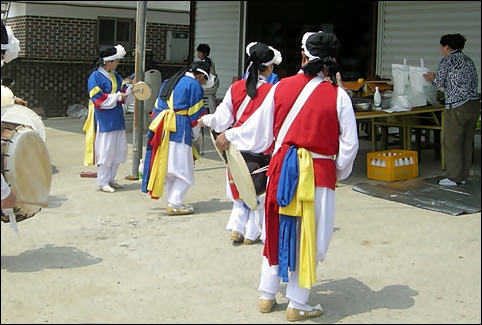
x: 344, y: 298
x: 48, y: 257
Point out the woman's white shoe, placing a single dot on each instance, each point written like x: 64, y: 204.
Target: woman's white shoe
x: 107, y: 189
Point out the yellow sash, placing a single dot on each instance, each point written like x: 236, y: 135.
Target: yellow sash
x: 89, y: 129
x: 159, y: 165
x: 302, y: 205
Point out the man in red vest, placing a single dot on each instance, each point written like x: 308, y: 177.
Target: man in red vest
x: 240, y: 102
x: 316, y: 142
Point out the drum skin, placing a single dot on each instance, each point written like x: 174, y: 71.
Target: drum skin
x: 26, y: 167
x: 7, y: 96
x: 23, y: 115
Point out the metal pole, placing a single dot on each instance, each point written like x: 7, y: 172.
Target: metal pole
x: 138, y: 121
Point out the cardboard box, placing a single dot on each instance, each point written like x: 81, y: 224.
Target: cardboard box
x: 367, y: 88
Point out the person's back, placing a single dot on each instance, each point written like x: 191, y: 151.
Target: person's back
x: 239, y: 93
x: 314, y: 126
x: 178, y: 107
x: 185, y: 95
x: 240, y: 102
x: 461, y: 81
x: 319, y: 110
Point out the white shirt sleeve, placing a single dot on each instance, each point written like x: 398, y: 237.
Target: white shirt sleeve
x: 256, y: 134
x: 129, y: 99
x: 111, y: 101
x: 348, y: 135
x: 5, y: 189
x: 223, y: 117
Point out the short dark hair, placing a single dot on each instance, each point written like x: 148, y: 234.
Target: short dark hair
x: 454, y: 41
x: 204, y: 48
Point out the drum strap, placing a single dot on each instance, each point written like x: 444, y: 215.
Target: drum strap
x: 300, y: 101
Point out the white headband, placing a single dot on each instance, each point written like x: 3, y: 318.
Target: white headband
x: 203, y: 72
x: 12, y: 48
x: 303, y: 46
x: 277, y: 55
x: 119, y: 55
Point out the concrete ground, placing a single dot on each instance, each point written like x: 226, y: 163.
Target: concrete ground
x: 94, y: 257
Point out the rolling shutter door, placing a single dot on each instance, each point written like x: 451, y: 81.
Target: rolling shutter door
x: 220, y: 24
x: 412, y: 29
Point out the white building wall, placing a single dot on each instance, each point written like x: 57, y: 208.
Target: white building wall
x: 165, y: 12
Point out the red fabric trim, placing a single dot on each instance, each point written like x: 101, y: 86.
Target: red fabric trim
x: 100, y: 101
x: 234, y: 190
x: 155, y: 142
x: 271, y: 207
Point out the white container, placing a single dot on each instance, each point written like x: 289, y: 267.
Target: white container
x: 377, y: 100
x: 141, y: 168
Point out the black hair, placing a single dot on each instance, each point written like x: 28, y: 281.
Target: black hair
x: 173, y: 80
x: 204, y: 48
x: 454, y: 41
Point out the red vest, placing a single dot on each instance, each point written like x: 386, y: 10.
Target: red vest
x: 238, y: 94
x: 316, y: 129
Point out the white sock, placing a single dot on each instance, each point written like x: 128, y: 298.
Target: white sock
x: 267, y: 296
x: 296, y: 305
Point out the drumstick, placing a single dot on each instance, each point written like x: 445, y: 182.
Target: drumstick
x: 260, y: 170
x: 42, y: 204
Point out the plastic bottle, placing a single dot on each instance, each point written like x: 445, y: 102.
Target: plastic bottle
x: 377, y: 100
x: 141, y: 168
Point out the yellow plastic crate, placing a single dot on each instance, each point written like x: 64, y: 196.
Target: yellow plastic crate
x: 387, y: 166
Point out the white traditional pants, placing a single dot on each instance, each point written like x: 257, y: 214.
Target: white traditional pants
x: 324, y: 224
x: 245, y: 221
x: 110, y: 152
x: 106, y: 174
x: 180, y: 173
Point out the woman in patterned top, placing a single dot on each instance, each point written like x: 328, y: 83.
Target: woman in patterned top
x: 457, y: 74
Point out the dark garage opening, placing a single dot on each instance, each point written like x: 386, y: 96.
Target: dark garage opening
x: 283, y: 23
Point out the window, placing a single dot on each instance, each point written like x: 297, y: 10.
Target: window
x: 113, y: 31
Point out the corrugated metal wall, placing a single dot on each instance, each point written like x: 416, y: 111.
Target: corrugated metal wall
x: 218, y: 23
x: 412, y: 29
